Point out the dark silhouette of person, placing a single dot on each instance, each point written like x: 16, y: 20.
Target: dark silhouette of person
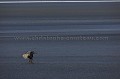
x: 30, y: 57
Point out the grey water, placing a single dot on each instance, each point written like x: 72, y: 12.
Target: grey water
x: 56, y: 59
x: 86, y: 58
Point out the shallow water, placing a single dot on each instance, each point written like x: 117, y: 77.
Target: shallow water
x: 60, y: 59
x: 61, y: 67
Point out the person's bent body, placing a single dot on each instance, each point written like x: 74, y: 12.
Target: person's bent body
x: 30, y: 57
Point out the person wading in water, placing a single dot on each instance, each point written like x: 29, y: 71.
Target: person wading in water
x: 30, y: 56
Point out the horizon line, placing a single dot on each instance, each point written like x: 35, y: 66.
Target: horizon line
x: 13, y: 2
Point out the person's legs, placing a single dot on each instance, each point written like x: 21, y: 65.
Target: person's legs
x: 30, y: 61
